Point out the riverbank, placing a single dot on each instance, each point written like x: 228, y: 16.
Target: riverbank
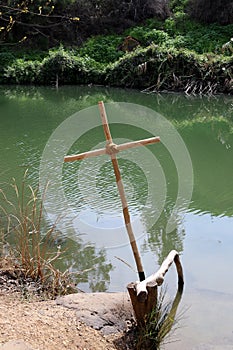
x: 174, y: 53
x: 44, y: 325
x: 151, y: 69
x: 91, y: 321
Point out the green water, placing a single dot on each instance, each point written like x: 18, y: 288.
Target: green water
x: 92, y: 229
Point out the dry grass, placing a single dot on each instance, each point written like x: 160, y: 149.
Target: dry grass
x: 26, y: 242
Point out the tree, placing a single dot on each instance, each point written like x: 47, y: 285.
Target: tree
x: 55, y: 21
x: 209, y: 11
x: 101, y: 16
x: 24, y: 19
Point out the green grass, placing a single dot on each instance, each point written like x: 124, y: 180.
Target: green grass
x: 159, y: 323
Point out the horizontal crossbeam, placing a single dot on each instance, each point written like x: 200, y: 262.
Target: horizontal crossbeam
x: 118, y: 148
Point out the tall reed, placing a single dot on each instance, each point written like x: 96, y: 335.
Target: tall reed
x: 31, y: 241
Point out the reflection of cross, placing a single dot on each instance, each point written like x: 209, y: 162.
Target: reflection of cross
x: 111, y: 149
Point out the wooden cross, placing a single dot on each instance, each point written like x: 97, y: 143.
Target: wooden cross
x: 112, y: 149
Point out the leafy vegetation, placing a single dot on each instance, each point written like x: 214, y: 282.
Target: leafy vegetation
x: 176, y: 52
x: 157, y: 69
x: 102, y: 48
x: 154, y: 68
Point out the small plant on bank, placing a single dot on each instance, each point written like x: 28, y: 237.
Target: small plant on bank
x: 158, y: 325
x: 29, y: 254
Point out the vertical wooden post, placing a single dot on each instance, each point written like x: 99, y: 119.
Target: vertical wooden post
x: 112, y: 152
x: 142, y: 308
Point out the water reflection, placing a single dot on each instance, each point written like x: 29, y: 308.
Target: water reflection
x: 162, y: 242
x: 90, y: 267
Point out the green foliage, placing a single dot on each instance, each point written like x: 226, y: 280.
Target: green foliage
x: 159, y: 68
x: 208, y: 38
x: 67, y: 68
x: 167, y: 66
x: 156, y: 36
x: 177, y: 5
x: 58, y: 67
x: 172, y: 55
x: 180, y: 31
x: 21, y: 71
x: 154, y: 23
x: 146, y: 35
x: 6, y: 58
x: 138, y: 33
x: 102, y: 48
x: 195, y: 36
x: 58, y: 64
x: 158, y: 325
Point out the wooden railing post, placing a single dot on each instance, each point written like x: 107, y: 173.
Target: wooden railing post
x: 143, y: 307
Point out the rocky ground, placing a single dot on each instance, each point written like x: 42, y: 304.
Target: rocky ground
x: 86, y: 321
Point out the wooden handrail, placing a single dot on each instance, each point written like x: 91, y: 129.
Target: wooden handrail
x: 158, y: 277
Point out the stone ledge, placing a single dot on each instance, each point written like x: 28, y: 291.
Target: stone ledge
x: 108, y: 313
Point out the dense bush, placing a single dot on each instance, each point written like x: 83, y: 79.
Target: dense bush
x: 22, y: 72
x: 176, y: 53
x: 67, y: 68
x: 154, y: 68
x: 146, y: 35
x: 158, y: 69
x: 6, y: 58
x: 59, y: 67
x: 180, y: 31
x: 102, y: 48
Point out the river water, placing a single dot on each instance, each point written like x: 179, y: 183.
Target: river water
x: 179, y: 192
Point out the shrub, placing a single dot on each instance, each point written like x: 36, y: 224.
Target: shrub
x: 156, y: 36
x: 63, y: 67
x: 177, y: 5
x: 58, y: 64
x: 21, y: 71
x: 146, y: 35
x: 159, y: 68
x: 138, y: 33
x: 102, y: 49
x: 6, y: 58
x: 59, y: 67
